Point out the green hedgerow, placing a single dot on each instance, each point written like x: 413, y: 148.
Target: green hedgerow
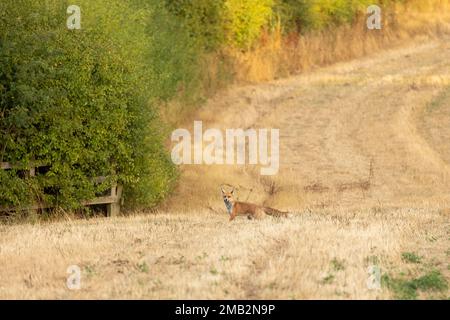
x: 203, y: 19
x: 306, y: 15
x: 83, y: 101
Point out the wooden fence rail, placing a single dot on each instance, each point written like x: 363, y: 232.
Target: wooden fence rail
x: 112, y: 200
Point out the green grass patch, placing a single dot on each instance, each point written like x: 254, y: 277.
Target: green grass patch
x: 411, y: 257
x: 405, y: 289
x: 440, y: 100
x: 143, y: 267
x: 214, y: 271
x: 338, y: 265
x: 328, y: 279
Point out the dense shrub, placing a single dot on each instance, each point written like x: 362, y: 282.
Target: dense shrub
x: 204, y: 20
x: 215, y: 23
x: 245, y: 19
x: 305, y: 15
x: 82, y: 101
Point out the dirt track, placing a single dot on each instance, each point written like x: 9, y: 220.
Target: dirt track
x: 354, y: 134
x: 364, y: 167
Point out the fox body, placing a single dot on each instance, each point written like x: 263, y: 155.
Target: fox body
x: 253, y: 211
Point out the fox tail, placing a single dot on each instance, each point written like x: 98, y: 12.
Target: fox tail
x: 275, y: 213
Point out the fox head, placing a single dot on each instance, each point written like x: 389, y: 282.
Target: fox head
x: 228, y: 198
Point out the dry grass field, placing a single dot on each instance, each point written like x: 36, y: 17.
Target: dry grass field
x: 320, y: 254
x: 364, y: 168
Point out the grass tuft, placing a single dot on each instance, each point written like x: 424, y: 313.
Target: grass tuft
x: 407, y: 289
x: 338, y: 265
x: 411, y: 257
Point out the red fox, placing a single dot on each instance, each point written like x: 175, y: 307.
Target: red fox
x: 235, y: 208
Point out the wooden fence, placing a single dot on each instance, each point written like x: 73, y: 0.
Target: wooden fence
x: 112, y: 199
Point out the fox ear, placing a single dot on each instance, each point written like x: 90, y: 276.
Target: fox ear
x: 221, y: 189
x: 232, y: 191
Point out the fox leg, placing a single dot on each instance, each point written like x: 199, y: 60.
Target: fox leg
x: 259, y: 213
x: 233, y: 214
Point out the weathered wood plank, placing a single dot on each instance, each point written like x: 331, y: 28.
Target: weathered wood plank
x: 5, y: 165
x: 112, y: 209
x: 8, y: 165
x: 100, y: 200
x: 108, y: 200
x: 112, y: 201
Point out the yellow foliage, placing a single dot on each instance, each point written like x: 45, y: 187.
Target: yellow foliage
x: 245, y: 19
